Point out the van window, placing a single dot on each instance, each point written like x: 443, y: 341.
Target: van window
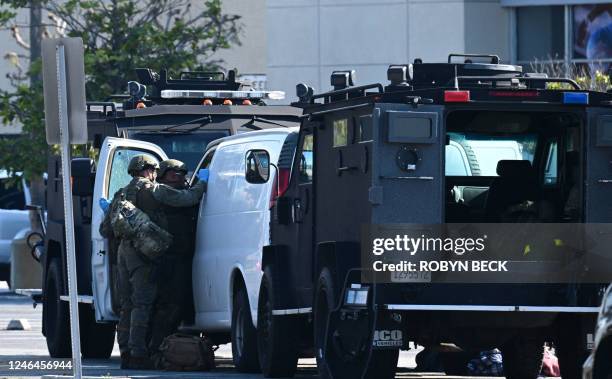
x: 228, y: 165
x: 207, y: 159
x: 306, y: 160
x: 119, y: 176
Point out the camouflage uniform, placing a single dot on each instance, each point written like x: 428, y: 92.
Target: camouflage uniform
x: 137, y: 274
x: 174, y: 301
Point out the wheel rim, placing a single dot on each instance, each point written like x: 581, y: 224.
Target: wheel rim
x: 239, y: 332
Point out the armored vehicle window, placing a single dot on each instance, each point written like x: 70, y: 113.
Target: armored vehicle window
x: 604, y: 131
x: 119, y: 176
x: 364, y: 129
x: 306, y: 160
x: 551, y: 175
x: 340, y: 128
x: 487, y: 150
x: 184, y: 147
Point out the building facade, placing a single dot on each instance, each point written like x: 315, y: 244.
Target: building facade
x: 308, y: 39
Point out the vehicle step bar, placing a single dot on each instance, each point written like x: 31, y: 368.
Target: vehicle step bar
x: 488, y: 308
x: 81, y: 299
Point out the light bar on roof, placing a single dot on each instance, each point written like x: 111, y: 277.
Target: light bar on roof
x: 198, y: 94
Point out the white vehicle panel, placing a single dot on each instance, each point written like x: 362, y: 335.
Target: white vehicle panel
x: 105, y: 186
x: 233, y: 227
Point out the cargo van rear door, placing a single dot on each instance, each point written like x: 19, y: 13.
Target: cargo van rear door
x: 598, y: 202
x: 111, y: 175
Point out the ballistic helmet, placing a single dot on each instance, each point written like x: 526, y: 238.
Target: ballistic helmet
x: 171, y: 164
x: 141, y: 162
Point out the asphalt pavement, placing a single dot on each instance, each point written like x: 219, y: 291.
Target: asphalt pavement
x: 19, y: 348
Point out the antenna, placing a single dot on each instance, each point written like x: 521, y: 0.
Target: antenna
x: 456, y: 79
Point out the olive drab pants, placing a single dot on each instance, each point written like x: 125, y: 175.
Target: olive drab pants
x: 137, y: 290
x: 174, y: 292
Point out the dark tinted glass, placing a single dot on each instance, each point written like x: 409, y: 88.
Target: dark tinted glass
x: 187, y: 148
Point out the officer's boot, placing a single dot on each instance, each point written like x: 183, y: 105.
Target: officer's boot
x: 125, y: 360
x: 140, y: 363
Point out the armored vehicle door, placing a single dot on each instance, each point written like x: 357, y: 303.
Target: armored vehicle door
x: 408, y: 164
x: 111, y: 175
x: 303, y: 209
x: 598, y: 189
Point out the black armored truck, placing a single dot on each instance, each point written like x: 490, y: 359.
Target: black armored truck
x: 469, y: 141
x: 161, y: 117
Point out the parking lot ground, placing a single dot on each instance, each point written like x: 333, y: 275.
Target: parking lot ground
x: 30, y: 346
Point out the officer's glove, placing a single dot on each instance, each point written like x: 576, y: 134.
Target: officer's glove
x: 203, y: 175
x: 104, y: 204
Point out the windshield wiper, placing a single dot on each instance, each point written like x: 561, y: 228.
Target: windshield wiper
x: 199, y: 119
x: 251, y: 123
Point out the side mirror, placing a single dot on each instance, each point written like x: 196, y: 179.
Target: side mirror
x: 257, y: 166
x: 83, y: 176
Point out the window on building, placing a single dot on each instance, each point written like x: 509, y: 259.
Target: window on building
x: 549, y: 37
x: 540, y: 33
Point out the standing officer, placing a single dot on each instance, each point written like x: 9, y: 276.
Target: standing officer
x: 137, y: 273
x: 175, y: 288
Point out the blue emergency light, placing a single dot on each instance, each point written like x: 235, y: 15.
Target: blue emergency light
x: 575, y: 98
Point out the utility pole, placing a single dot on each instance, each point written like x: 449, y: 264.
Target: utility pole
x: 35, y: 36
x: 37, y: 184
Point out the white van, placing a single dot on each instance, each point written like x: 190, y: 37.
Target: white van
x: 233, y: 227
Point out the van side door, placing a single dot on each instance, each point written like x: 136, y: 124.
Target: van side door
x: 111, y: 175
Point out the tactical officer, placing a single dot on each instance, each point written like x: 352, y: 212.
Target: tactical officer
x: 137, y: 273
x: 175, y: 289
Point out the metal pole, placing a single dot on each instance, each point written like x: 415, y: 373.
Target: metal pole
x: 62, y: 97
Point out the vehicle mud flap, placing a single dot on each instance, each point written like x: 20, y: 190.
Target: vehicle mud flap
x: 351, y: 330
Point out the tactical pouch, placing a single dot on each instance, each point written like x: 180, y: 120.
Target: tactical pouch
x: 183, y: 352
x: 131, y: 223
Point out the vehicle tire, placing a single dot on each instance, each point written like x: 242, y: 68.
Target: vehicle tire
x: 276, y: 336
x: 324, y: 302
x: 522, y: 357
x: 56, y: 313
x: 455, y: 363
x: 244, y: 334
x: 97, y: 340
x: 569, y: 350
x: 382, y: 364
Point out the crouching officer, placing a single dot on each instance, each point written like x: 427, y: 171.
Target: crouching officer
x: 137, y: 273
x: 175, y: 297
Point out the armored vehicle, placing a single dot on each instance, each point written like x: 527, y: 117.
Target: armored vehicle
x: 177, y: 119
x: 455, y: 142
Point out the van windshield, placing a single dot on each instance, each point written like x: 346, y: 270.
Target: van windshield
x: 188, y: 147
x: 471, y: 154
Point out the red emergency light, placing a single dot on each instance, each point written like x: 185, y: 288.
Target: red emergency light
x: 456, y: 96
